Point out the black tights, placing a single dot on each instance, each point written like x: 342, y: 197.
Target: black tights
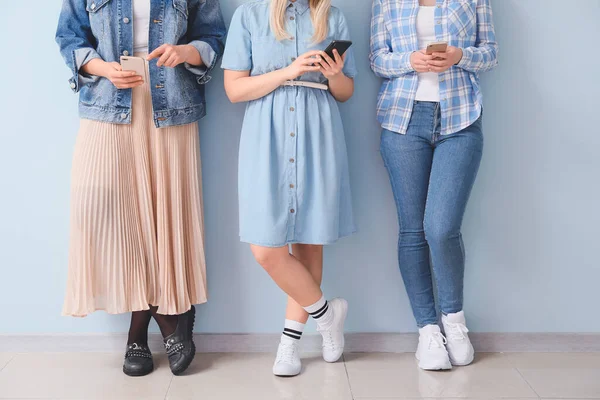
x: 140, y: 320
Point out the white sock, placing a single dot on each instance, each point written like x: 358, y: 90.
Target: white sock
x: 292, y: 331
x: 321, y: 312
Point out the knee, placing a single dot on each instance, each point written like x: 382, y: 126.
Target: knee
x: 307, y: 251
x: 438, y: 233
x: 268, y: 258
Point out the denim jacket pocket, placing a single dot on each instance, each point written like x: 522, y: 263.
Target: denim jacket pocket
x: 462, y: 18
x: 181, y: 6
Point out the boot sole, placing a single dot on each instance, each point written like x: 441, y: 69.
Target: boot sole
x: 137, y: 373
x: 187, y: 364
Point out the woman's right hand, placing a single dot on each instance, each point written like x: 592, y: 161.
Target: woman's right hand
x: 419, y: 61
x: 121, y: 79
x: 307, y: 62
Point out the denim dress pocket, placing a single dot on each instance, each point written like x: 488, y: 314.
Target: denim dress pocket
x: 267, y: 54
x: 462, y: 18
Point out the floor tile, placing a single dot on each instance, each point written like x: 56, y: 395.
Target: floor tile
x: 397, y: 376
x: 5, y: 359
x: 564, y: 383
x: 560, y: 375
x: 80, y: 376
x: 249, y: 377
x: 554, y: 360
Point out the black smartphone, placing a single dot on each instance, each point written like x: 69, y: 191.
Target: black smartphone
x: 340, y: 45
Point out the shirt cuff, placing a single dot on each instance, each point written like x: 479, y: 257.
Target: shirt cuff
x: 80, y: 58
x: 405, y: 63
x: 466, y: 59
x: 209, y: 58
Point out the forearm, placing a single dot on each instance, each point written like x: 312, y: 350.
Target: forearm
x: 341, y: 87
x: 389, y: 65
x: 95, y: 67
x: 192, y: 56
x: 479, y: 59
x: 250, y: 88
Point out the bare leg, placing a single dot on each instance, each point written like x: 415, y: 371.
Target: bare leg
x: 311, y: 256
x: 288, y: 273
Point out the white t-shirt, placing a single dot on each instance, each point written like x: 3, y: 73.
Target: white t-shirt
x: 141, y: 25
x: 429, y: 83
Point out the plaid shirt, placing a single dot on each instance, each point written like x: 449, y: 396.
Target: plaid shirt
x: 466, y: 24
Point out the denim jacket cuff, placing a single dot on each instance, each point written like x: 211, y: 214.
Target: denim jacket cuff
x: 209, y: 58
x: 80, y: 58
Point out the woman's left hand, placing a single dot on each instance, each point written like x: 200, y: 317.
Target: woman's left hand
x: 172, y: 55
x: 442, y: 62
x: 331, y: 68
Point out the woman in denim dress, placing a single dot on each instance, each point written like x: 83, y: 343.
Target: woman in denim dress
x: 294, y: 186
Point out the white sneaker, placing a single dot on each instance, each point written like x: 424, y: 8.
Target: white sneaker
x: 459, y: 346
x: 288, y: 361
x: 333, y: 335
x: 431, y: 353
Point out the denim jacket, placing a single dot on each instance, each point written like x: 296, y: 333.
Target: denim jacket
x: 89, y: 29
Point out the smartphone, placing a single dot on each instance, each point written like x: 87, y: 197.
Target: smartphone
x: 437, y: 47
x: 340, y: 45
x: 136, y: 64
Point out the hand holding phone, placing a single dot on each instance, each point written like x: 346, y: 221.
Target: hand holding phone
x: 135, y: 64
x: 437, y: 47
x: 340, y: 45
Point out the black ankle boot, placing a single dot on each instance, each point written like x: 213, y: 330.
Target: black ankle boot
x: 138, y: 360
x: 180, y: 345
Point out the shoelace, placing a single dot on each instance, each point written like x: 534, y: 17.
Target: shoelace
x: 438, y: 340
x: 456, y: 331
x: 286, y: 353
x: 328, y: 341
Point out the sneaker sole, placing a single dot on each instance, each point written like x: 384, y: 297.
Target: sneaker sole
x: 444, y: 367
x: 462, y: 364
x: 286, y: 375
x: 185, y: 366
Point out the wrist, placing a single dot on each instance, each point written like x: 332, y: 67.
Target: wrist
x: 287, y: 74
x: 460, y: 55
x: 336, y: 78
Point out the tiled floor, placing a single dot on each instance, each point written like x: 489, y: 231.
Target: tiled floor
x: 247, y: 377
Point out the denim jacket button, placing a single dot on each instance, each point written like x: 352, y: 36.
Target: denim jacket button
x: 125, y: 53
x: 126, y: 20
x: 73, y: 85
x: 123, y: 116
x: 93, y: 6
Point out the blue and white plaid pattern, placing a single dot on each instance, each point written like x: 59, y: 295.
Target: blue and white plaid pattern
x: 467, y: 24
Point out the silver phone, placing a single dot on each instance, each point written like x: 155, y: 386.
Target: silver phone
x: 136, y: 64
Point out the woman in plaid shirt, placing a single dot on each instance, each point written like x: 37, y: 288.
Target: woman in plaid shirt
x: 430, y: 109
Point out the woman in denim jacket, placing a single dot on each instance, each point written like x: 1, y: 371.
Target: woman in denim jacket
x: 137, y: 234
x: 430, y: 108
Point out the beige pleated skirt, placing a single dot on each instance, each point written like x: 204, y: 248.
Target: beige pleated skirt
x: 137, y: 233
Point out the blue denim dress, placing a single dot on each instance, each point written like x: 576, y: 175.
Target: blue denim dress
x: 293, y: 183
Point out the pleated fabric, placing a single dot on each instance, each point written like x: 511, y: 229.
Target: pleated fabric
x: 137, y: 228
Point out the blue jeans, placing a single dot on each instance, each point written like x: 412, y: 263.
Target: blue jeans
x: 432, y: 176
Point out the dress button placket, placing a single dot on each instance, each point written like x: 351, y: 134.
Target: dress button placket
x: 293, y: 166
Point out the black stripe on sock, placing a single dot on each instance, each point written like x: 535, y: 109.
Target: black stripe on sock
x: 292, y: 331
x: 320, y: 310
x: 322, y: 313
x: 291, y: 335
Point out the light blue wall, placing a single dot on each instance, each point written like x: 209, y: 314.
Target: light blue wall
x: 531, y: 229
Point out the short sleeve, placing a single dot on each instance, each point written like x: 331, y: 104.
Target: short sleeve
x: 344, y: 34
x: 238, y: 50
